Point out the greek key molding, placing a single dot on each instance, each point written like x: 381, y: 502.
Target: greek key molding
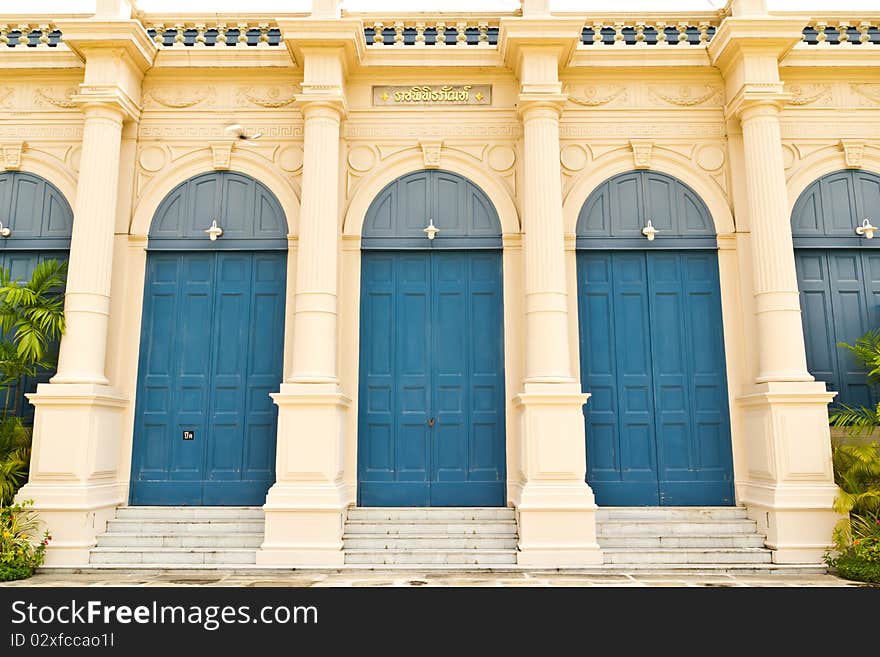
x: 415, y: 131
x: 626, y: 131
x: 213, y: 131
x: 30, y: 132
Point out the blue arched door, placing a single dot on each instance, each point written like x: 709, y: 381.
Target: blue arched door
x: 839, y: 277
x: 211, y: 345
x: 431, y: 393
x: 40, y: 222
x: 652, y: 346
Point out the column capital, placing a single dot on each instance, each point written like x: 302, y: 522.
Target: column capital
x: 128, y: 37
x: 751, y: 36
x: 327, y: 103
x: 532, y: 105
x: 753, y: 99
x: 110, y: 99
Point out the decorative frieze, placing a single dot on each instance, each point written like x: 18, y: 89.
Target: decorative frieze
x: 272, y: 97
x: 179, y: 97
x: 595, y: 96
x: 44, y: 96
x: 688, y: 96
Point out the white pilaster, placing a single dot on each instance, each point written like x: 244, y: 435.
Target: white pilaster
x: 789, y: 485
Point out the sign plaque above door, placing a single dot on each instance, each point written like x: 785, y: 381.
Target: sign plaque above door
x: 432, y: 94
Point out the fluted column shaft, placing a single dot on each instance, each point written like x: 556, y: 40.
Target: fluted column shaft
x: 315, y: 314
x: 547, y: 339
x: 87, y: 300
x: 781, y: 353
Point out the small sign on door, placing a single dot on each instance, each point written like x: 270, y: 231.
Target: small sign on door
x: 188, y: 435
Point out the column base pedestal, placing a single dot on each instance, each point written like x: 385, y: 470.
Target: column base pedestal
x: 789, y: 489
x: 74, y: 466
x: 556, y: 510
x: 306, y: 507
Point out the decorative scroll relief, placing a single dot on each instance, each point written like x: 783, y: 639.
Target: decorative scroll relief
x: 271, y: 98
x: 46, y: 96
x: 869, y: 91
x: 179, y: 97
x: 689, y: 96
x: 593, y: 96
x: 809, y: 94
x: 447, y: 94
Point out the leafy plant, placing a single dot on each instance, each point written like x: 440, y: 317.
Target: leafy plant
x: 862, y: 419
x: 15, y: 453
x: 19, y: 556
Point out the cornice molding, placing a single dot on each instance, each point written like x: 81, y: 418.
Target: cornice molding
x: 774, y: 37
x: 109, y: 95
x: 85, y: 36
x: 347, y: 33
x: 560, y: 35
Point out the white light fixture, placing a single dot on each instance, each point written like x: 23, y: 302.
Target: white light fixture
x: 5, y: 231
x: 649, y: 231
x: 214, y: 231
x: 237, y: 131
x: 866, y: 230
x: 432, y: 230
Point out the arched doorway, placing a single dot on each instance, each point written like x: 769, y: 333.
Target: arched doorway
x: 40, y: 222
x: 211, y: 347
x: 431, y: 378
x: 838, y: 275
x: 652, y: 346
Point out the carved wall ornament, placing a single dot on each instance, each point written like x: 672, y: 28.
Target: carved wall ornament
x: 789, y: 156
x: 501, y: 158
x: 592, y: 96
x: 573, y: 157
x: 272, y: 98
x: 687, y: 96
x: 361, y: 158
x: 11, y: 153
x: 222, y: 154
x: 73, y: 157
x: 853, y: 152
x: 868, y: 91
x: 808, y: 94
x: 5, y: 93
x: 178, y: 97
x: 711, y: 157
x: 431, y: 152
x: 152, y: 158
x: 45, y: 96
x: 642, y: 150
x: 290, y: 158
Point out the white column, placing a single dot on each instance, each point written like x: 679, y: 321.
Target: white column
x: 305, y: 508
x: 789, y: 486
x: 776, y: 291
x: 87, y: 298
x: 555, y: 507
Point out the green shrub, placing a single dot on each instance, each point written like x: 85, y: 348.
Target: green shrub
x: 19, y: 556
x: 15, y: 454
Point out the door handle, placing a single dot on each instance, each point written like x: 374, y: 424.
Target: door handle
x: 431, y: 422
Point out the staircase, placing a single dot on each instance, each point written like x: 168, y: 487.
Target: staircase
x: 680, y: 538
x: 175, y: 537
x: 438, y: 536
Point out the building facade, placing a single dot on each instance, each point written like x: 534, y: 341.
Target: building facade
x: 551, y: 262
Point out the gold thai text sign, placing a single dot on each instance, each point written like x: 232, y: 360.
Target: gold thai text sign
x: 446, y: 94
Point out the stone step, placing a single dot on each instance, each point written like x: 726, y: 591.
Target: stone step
x: 683, y: 541
x: 423, y: 541
x: 618, y: 556
x: 461, y: 527
x: 430, y: 557
x: 675, y: 528
x: 190, y: 512
x: 233, y: 540
x: 691, y: 513
x: 185, y: 555
x: 434, y: 513
x: 185, y: 526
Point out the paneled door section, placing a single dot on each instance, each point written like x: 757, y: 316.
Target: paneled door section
x: 211, y: 352
x: 431, y: 416
x: 652, y: 358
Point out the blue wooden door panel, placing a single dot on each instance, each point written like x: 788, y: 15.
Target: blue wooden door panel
x: 840, y: 301
x: 210, y: 351
x: 652, y: 357
x: 424, y: 357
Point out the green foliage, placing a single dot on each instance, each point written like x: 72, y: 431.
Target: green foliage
x: 15, y: 453
x: 861, y: 420
x: 32, y: 314
x: 19, y: 556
